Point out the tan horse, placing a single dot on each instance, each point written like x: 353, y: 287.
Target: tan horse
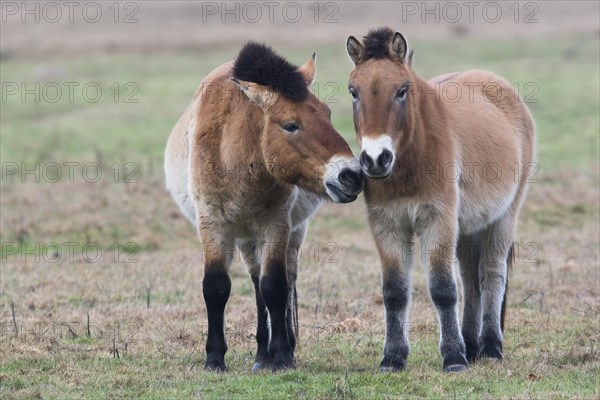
x: 248, y: 163
x: 448, y: 160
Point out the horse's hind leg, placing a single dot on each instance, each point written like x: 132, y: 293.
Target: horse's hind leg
x: 295, y: 242
x: 263, y: 360
x: 468, y: 253
x: 275, y: 291
x: 496, y: 243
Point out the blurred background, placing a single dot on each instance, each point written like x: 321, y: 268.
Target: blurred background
x: 90, y: 91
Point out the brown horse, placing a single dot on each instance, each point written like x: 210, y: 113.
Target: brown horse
x: 248, y: 163
x: 448, y: 160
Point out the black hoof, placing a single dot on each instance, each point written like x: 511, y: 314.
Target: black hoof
x: 455, y: 363
x: 215, y: 366
x: 283, y: 366
x: 395, y: 365
x: 282, y: 359
x: 490, y: 350
x: 472, y: 353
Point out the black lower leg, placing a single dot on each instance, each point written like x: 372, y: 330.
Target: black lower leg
x: 216, y: 287
x: 274, y: 289
x: 263, y: 360
x: 490, y: 340
x: 444, y: 295
x: 469, y: 255
x: 470, y: 338
x: 395, y: 297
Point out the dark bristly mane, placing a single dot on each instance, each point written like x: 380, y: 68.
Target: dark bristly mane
x: 258, y: 63
x: 377, y: 43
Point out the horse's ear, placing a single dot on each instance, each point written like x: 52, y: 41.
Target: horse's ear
x: 354, y: 48
x: 258, y: 94
x: 399, y: 48
x: 309, y: 70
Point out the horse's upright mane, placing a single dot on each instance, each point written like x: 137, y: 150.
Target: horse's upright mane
x: 258, y: 63
x: 377, y: 43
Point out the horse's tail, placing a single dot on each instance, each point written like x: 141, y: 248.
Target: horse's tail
x: 509, y: 265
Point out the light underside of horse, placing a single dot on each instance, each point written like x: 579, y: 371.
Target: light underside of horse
x: 248, y: 163
x: 448, y: 161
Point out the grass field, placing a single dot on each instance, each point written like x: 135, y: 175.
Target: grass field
x: 125, y: 318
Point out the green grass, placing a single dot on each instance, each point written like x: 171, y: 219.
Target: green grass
x: 334, y: 367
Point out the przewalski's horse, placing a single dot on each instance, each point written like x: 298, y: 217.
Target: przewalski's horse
x: 249, y: 170
x: 450, y: 169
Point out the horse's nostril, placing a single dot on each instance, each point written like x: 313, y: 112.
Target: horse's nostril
x: 365, y: 161
x: 350, y: 178
x: 385, y: 159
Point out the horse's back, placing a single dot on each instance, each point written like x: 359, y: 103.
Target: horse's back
x: 495, y: 136
x: 494, y: 94
x: 479, y: 95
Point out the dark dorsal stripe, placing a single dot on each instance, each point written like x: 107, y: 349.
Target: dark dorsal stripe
x: 377, y: 43
x: 258, y: 63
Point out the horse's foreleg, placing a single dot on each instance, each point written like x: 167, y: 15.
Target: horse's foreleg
x: 396, y: 254
x: 468, y: 256
x: 497, y: 240
x: 439, y: 248
x: 216, y: 286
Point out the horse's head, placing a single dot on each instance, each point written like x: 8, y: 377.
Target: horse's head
x: 383, y: 101
x: 298, y: 143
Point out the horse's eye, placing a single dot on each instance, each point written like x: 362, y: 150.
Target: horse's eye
x: 291, y: 127
x: 353, y: 94
x: 401, y: 95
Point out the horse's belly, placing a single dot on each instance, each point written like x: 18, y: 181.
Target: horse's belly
x: 177, y: 177
x: 476, y: 213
